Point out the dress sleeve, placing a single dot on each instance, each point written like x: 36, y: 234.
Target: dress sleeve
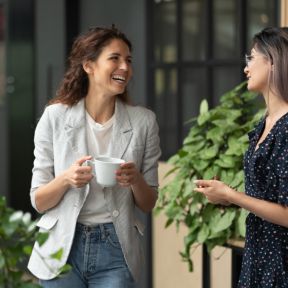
x: 281, y: 165
x: 43, y: 167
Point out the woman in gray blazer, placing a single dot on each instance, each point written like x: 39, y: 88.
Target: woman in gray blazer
x: 96, y: 227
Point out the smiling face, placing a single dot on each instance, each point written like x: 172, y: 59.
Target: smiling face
x: 257, y: 70
x: 111, y: 72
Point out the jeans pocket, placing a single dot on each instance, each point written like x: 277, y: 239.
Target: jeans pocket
x: 112, y: 238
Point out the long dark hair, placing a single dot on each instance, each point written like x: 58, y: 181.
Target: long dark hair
x: 273, y: 43
x: 86, y: 47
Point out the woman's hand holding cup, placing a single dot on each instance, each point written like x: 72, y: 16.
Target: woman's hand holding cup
x: 78, y: 175
x: 128, y: 174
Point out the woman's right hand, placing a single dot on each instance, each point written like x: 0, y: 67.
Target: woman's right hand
x: 49, y: 195
x: 78, y: 175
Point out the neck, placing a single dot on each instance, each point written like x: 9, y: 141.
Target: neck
x: 276, y: 106
x: 101, y: 109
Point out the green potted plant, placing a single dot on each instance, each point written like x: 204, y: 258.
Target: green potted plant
x: 18, y: 232
x: 214, y: 147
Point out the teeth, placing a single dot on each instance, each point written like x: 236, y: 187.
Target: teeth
x: 118, y: 77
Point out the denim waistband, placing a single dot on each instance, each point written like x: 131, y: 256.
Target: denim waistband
x: 93, y: 228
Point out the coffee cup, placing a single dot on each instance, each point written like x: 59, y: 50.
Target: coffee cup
x: 104, y: 168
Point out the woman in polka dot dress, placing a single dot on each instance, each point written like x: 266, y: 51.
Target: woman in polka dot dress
x: 265, y: 261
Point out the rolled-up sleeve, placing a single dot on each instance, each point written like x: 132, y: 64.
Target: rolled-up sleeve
x: 43, y: 168
x: 152, y: 152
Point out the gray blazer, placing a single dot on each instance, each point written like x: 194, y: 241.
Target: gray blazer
x: 60, y: 139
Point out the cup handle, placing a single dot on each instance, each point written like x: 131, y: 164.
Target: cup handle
x: 91, y: 164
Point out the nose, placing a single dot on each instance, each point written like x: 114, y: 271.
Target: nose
x: 246, y: 69
x: 124, y: 65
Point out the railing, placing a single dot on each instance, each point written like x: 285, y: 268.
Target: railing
x: 237, y: 253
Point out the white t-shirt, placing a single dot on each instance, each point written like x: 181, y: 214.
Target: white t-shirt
x: 94, y: 210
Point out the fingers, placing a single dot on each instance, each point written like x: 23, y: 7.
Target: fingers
x: 79, y: 175
x: 81, y: 160
x: 203, y: 183
x: 213, y: 190
x: 127, y: 174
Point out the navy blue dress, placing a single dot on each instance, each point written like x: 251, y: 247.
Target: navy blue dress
x: 265, y: 260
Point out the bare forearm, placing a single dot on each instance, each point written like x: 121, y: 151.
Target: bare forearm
x: 144, y: 195
x: 272, y: 212
x: 50, y: 194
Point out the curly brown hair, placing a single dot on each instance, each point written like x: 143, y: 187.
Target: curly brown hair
x: 86, y: 47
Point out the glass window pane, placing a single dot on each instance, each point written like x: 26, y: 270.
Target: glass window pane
x: 165, y: 39
x: 194, y: 86
x: 166, y: 109
x: 193, y: 30
x: 3, y: 109
x: 226, y: 40
x: 225, y: 79
x: 2, y: 56
x: 260, y: 14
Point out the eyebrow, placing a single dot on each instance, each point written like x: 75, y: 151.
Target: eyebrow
x: 118, y: 54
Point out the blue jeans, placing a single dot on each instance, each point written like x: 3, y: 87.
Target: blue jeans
x: 97, y: 261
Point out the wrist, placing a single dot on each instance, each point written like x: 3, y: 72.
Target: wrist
x: 231, y: 193
x: 65, y: 180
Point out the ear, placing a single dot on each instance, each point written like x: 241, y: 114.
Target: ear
x: 87, y: 67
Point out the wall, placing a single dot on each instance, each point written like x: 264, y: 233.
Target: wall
x: 284, y: 13
x: 50, y: 49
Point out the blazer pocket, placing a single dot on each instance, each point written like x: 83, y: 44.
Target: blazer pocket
x: 140, y: 227
x: 47, y: 222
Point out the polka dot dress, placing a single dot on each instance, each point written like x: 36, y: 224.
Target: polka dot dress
x: 265, y: 260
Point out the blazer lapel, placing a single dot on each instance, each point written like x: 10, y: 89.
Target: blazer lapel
x: 75, y: 127
x: 122, y: 131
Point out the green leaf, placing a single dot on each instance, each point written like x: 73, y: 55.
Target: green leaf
x: 241, y: 226
x: 65, y: 269
x: 57, y: 255
x: 42, y: 237
x: 2, y: 260
x: 27, y: 249
x: 238, y: 179
x: 203, y: 107
x: 226, y: 161
x: 169, y: 222
x: 209, y: 152
x: 189, y: 240
x: 215, y: 134
x: 203, y: 233
x: 29, y: 285
x: 203, y: 118
x: 224, y: 222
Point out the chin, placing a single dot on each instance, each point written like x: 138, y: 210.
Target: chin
x: 250, y: 87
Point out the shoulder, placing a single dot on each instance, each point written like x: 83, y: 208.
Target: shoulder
x: 57, y: 109
x: 55, y: 113
x: 282, y: 130
x: 140, y: 113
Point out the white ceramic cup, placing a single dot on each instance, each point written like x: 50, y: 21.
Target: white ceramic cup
x: 104, y: 168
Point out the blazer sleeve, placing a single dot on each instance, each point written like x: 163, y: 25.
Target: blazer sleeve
x: 152, y: 152
x: 43, y: 168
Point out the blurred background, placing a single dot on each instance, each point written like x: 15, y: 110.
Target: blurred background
x: 184, y: 51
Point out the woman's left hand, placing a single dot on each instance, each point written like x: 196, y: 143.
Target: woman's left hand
x: 215, y: 191
x: 128, y: 174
